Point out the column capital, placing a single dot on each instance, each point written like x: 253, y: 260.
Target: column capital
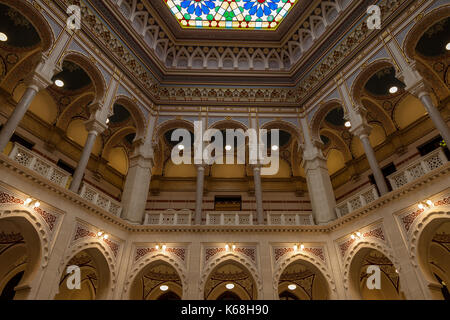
x: 362, y: 130
x: 419, y: 88
x: 93, y: 125
x: 201, y: 167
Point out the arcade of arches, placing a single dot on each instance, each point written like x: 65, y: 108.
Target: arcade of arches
x: 88, y: 186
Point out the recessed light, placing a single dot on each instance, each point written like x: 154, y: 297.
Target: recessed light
x: 28, y: 201
x: 274, y: 147
x: 393, y: 89
x: 164, y: 287
x: 3, y: 37
x: 429, y: 203
x: 347, y: 124
x: 228, y: 147
x: 59, y: 83
x: 421, y: 206
x: 447, y: 46
x: 292, y: 287
x: 229, y: 286
x: 353, y: 237
x: 105, y: 236
x: 37, y: 204
x: 180, y: 147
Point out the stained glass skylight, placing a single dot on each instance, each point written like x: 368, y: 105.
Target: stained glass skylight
x: 230, y: 14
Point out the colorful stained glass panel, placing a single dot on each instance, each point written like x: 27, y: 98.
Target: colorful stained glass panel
x: 230, y: 14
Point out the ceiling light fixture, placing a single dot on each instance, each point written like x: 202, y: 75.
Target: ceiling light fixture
x: 37, y: 204
x: 100, y: 233
x: 447, y: 47
x: 295, y: 247
x: 164, y: 247
x: 429, y: 203
x: 157, y: 247
x: 227, y: 247
x: 393, y: 89
x: 347, y: 124
x: 229, y: 286
x: 3, y: 37
x: 274, y: 147
x: 228, y: 147
x: 425, y: 204
x: 59, y: 83
x: 164, y: 287
x: 292, y: 287
x: 28, y: 201
x: 105, y: 236
x: 107, y: 120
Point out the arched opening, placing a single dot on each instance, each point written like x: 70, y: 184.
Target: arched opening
x: 301, y: 280
x: 20, y: 253
x: 157, y: 281
x: 93, y: 281
x: 434, y: 41
x: 367, y: 284
x: 434, y: 256
x: 230, y: 280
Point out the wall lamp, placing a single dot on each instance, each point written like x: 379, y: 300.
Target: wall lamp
x: 427, y: 204
x: 162, y: 247
x: 102, y: 235
x: 230, y: 246
x: 356, y: 235
x: 32, y: 202
x: 299, y: 246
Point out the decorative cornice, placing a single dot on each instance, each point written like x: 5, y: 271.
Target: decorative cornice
x: 334, y: 225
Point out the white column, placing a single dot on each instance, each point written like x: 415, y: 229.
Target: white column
x: 17, y: 115
x: 137, y: 186
x: 94, y: 128
x: 423, y: 93
x: 363, y: 132
x: 320, y: 189
x: 258, y: 194
x: 137, y: 183
x: 199, y: 193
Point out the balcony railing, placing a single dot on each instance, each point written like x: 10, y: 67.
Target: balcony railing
x: 100, y: 199
x: 418, y: 168
x: 169, y: 217
x: 38, y: 164
x: 290, y: 218
x: 357, y: 201
x: 232, y: 218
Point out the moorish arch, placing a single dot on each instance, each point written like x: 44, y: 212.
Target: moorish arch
x: 91, y: 70
x: 421, y: 27
x: 98, y: 272
x: 21, y: 255
x: 319, y: 116
x: 356, y: 262
x: 37, y: 20
x: 162, y: 147
x: 177, y: 282
x: 230, y: 269
x: 158, y: 280
x: 302, y: 280
x: 135, y: 112
x: 431, y: 253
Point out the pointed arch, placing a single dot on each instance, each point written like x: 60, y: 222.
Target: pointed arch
x: 236, y: 258
x: 142, y: 264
